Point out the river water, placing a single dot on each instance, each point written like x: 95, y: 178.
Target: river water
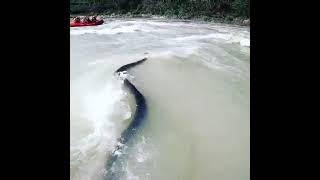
x: 196, y: 82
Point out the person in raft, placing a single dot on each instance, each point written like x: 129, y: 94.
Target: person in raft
x: 93, y: 18
x: 86, y: 19
x: 77, y: 19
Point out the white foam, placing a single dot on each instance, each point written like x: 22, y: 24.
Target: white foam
x: 232, y: 38
x: 245, y: 42
x: 232, y: 34
x: 207, y: 36
x: 99, y: 107
x: 113, y: 28
x: 142, y: 155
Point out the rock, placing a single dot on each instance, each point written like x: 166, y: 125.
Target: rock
x: 229, y: 18
x: 246, y: 22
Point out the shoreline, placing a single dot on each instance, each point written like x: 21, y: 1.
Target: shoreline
x: 225, y: 20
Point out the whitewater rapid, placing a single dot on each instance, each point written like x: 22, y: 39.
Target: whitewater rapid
x: 197, y: 85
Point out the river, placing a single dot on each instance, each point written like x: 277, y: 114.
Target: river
x: 196, y: 83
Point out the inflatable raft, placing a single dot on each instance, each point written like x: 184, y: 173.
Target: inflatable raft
x: 79, y: 24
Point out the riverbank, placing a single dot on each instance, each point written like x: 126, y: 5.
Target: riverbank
x: 225, y: 20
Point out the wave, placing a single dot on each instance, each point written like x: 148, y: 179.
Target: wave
x: 95, y: 113
x: 170, y: 31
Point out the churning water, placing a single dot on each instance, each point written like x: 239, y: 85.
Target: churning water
x: 196, y: 82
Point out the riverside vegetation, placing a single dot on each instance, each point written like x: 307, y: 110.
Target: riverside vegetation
x: 226, y: 11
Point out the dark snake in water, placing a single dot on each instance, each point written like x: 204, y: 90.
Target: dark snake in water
x: 133, y: 128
